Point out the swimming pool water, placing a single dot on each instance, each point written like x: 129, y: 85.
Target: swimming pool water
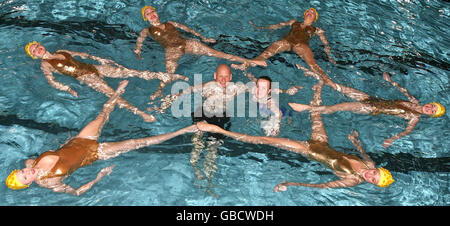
x: 405, y: 38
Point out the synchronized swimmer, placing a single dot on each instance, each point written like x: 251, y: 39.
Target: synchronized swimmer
x: 50, y: 168
x: 176, y: 46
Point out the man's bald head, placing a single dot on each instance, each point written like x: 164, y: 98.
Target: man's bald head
x: 223, y: 75
x: 223, y: 68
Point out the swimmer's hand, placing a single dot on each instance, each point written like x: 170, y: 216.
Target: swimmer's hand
x: 280, y: 187
x: 206, y: 127
x: 105, y: 172
x: 71, y: 91
x: 106, y: 61
x: 328, y: 52
x: 251, y: 22
x: 209, y: 40
x: 190, y: 129
x: 388, y: 142
x: 138, y: 53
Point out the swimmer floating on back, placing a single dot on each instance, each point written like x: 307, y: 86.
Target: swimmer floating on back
x: 62, y: 61
x: 176, y: 46
x: 296, y: 40
x: 349, y: 168
x: 52, y: 167
x: 410, y: 109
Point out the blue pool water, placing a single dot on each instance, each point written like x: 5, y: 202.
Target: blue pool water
x: 407, y: 38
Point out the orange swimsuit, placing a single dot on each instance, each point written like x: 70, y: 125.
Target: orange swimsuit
x: 79, y: 152
x: 72, y: 67
x: 300, y: 35
x: 169, y: 37
x: 335, y: 160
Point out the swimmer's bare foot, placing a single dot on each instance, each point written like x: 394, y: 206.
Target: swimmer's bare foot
x: 121, y: 88
x: 148, y: 118
x: 387, y: 77
x: 353, y: 137
x: 157, y: 94
x: 299, y: 107
x: 179, y: 77
x: 280, y: 187
x: 241, y: 67
x: 307, y: 72
x: 258, y: 62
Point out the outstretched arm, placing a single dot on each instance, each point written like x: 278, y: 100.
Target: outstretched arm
x: 274, y: 26
x: 343, y: 183
x: 96, y: 58
x: 353, y: 137
x: 47, y: 70
x: 291, y: 91
x: 186, y: 28
x: 64, y: 188
x: 411, y: 124
x: 327, y: 49
x: 142, y: 36
x: 412, y: 99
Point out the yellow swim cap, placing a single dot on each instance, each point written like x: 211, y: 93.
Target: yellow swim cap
x: 27, y: 48
x: 385, y: 178
x: 13, y: 183
x: 317, y: 14
x: 143, y: 11
x: 440, y: 110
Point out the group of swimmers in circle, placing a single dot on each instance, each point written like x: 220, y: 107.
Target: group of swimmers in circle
x: 50, y: 168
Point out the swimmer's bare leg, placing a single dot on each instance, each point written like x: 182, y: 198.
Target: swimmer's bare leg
x: 198, y: 143
x: 100, y: 85
x: 172, y: 56
x: 307, y: 55
x: 318, y: 128
x: 113, y: 149
x: 210, y: 163
x: 275, y: 48
x: 299, y: 107
x: 348, y: 91
x: 123, y: 72
x: 198, y: 48
x: 93, y: 129
x: 355, y: 107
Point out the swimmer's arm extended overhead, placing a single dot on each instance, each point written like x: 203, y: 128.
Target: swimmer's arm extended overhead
x: 412, y: 99
x: 86, y: 55
x: 353, y: 137
x: 342, y: 183
x: 142, y: 36
x: 274, y: 26
x: 60, y: 187
x: 327, y: 49
x: 47, y: 70
x: 186, y: 28
x: 411, y: 125
x: 291, y: 91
